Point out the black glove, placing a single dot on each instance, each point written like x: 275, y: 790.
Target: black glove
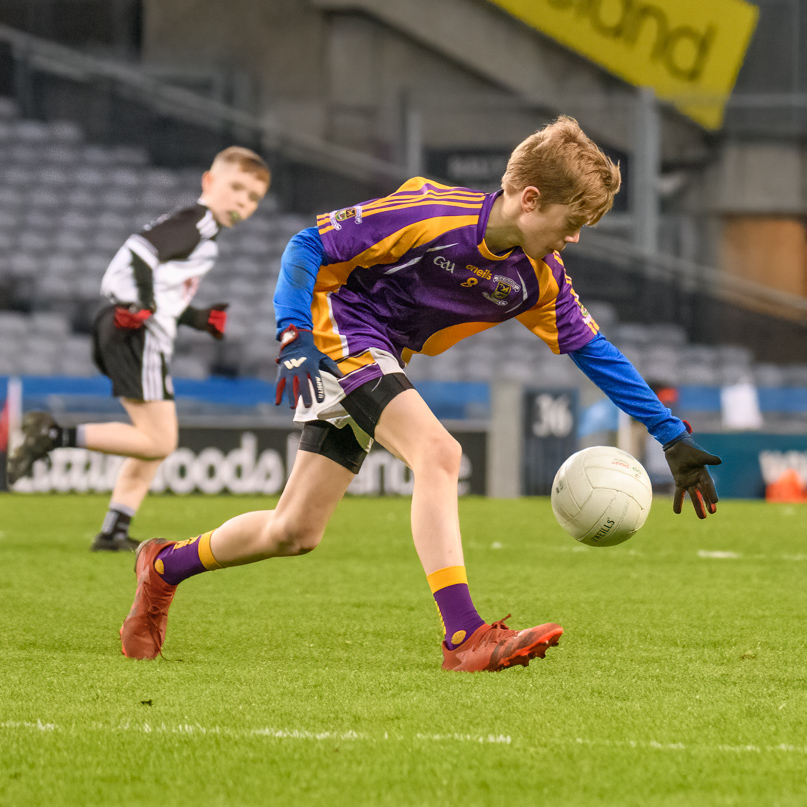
x: 688, y: 463
x: 299, y: 362
x: 213, y: 319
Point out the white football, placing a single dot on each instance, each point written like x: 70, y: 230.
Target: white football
x: 601, y: 496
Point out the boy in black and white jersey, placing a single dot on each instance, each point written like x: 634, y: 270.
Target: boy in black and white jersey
x: 149, y: 286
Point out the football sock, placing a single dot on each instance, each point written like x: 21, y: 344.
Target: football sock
x: 450, y: 590
x: 184, y: 559
x: 117, y: 520
x: 63, y: 436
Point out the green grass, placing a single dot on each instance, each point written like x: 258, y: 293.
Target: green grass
x: 680, y: 680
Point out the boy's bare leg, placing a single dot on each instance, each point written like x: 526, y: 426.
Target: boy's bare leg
x: 296, y: 525
x: 152, y: 434
x: 131, y: 486
x: 133, y: 482
x: 150, y: 438
x: 409, y: 429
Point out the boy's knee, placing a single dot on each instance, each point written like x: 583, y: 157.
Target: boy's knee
x: 163, y: 446
x: 444, y: 453
x: 170, y: 445
x: 289, y: 539
x: 292, y: 545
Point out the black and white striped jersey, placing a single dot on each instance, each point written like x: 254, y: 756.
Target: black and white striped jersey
x: 162, y: 266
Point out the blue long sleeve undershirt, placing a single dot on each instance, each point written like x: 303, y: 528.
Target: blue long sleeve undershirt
x: 599, y: 359
x: 299, y: 265
x: 621, y: 382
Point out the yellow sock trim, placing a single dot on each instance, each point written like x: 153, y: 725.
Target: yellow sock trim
x: 450, y: 576
x: 205, y: 555
x: 440, y: 614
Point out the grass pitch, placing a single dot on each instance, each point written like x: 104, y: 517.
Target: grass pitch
x: 680, y: 679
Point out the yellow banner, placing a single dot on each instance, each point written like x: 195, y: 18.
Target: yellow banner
x: 688, y: 51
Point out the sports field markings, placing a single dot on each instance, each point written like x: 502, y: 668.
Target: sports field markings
x: 723, y: 555
x: 705, y: 554
x: 197, y: 729
x: 39, y: 725
x: 657, y: 746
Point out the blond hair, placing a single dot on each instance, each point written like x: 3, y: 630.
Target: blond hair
x: 567, y: 167
x: 246, y: 159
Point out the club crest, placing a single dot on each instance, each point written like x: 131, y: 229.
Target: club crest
x: 504, y: 286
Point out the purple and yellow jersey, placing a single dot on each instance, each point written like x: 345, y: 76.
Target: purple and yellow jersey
x: 411, y: 273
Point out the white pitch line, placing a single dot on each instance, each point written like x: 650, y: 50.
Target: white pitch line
x: 39, y: 725
x: 703, y: 553
x: 466, y: 738
x: 657, y: 746
x: 723, y: 555
x: 198, y: 730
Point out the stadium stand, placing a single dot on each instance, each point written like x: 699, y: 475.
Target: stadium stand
x: 67, y: 205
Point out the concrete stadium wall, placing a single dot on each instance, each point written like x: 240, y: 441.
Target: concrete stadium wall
x: 347, y: 71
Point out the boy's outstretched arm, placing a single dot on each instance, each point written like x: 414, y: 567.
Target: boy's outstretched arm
x: 621, y: 382
x: 212, y: 319
x: 299, y: 361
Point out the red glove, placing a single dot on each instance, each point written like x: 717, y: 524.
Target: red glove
x: 131, y: 317
x: 217, y: 320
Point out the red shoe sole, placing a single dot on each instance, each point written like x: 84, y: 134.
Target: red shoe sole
x: 538, y: 649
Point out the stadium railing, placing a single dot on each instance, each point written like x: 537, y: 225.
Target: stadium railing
x: 35, y: 55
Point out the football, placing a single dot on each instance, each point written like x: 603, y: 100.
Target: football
x: 601, y: 496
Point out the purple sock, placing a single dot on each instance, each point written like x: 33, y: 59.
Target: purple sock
x: 458, y: 613
x: 184, y: 559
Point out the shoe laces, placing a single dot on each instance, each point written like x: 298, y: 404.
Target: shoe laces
x: 499, y: 623
x: 498, y: 631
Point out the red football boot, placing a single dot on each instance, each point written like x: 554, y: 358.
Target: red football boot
x: 497, y: 647
x: 143, y: 631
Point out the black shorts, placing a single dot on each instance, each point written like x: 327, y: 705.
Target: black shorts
x: 131, y: 359
x: 364, y: 405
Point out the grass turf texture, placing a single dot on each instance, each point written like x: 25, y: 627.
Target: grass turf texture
x: 316, y: 680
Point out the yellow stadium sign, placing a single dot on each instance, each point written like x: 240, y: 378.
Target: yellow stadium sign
x: 688, y: 51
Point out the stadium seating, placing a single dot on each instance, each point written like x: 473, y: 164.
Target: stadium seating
x: 66, y: 206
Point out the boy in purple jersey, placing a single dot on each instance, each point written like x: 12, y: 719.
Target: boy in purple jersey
x: 414, y: 272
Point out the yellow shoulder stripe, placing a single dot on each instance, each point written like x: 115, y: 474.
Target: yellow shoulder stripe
x: 390, y: 249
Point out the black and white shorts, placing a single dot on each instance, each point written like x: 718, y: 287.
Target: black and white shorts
x: 131, y: 359
x: 342, y: 427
